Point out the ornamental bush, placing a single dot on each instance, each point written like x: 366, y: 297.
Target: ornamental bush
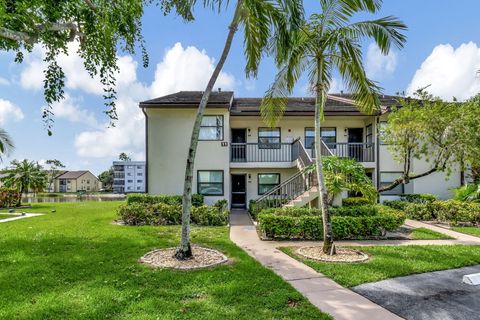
x: 356, y: 201
x: 419, y: 197
x: 9, y: 197
x: 396, y: 204
x: 299, y: 223
x: 137, y: 214
x: 143, y: 198
x: 451, y: 211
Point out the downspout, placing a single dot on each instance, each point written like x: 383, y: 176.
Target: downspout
x: 146, y: 150
x: 377, y: 158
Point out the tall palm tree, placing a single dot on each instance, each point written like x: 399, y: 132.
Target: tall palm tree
x: 265, y: 23
x: 25, y: 176
x: 6, y: 144
x: 328, y: 42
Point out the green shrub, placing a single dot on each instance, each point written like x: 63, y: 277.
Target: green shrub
x: 396, y: 204
x: 9, y: 197
x: 221, y: 204
x: 418, y: 198
x: 290, y: 224
x: 354, y: 211
x: 197, y: 199
x: 209, y: 216
x: 452, y: 211
x: 355, y: 201
x: 293, y: 211
x: 165, y: 214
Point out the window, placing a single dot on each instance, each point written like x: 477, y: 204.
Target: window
x: 139, y: 188
x: 88, y: 181
x: 381, y: 130
x: 130, y: 181
x: 210, y: 183
x: 139, y: 174
x: 267, y: 181
x: 388, y: 177
x: 269, y: 138
x: 211, y: 128
x: 129, y: 188
x: 129, y: 173
x: 329, y: 136
x: 129, y: 167
x: 369, y: 134
x: 139, y: 181
x: 139, y: 167
x: 309, y: 138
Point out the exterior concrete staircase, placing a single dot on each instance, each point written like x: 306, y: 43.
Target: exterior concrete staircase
x: 300, y: 189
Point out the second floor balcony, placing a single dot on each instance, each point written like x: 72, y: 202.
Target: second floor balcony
x: 287, y: 153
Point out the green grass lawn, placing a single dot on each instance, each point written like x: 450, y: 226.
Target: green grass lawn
x: 6, y: 216
x: 427, y: 234
x: 76, y: 264
x: 474, y: 231
x: 395, y: 261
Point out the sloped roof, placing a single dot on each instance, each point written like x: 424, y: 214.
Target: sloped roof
x: 217, y: 99
x: 72, y: 174
x: 337, y: 104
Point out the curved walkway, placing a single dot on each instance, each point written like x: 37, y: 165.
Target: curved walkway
x: 324, y: 293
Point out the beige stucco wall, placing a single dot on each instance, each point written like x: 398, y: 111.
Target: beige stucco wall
x: 87, y: 182
x: 169, y: 133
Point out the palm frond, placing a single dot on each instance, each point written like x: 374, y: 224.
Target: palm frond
x: 6, y: 144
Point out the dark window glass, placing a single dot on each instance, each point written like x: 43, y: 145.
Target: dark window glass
x: 210, y: 183
x: 269, y: 138
x: 369, y: 134
x: 267, y: 181
x: 211, y: 128
x: 388, y: 177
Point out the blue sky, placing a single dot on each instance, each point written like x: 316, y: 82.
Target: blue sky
x: 442, y: 51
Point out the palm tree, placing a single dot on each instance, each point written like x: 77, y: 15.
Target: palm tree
x: 25, y: 176
x: 265, y: 23
x: 325, y: 44
x: 6, y: 144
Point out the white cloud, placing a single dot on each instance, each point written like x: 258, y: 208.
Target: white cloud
x: 9, y: 111
x: 181, y: 69
x: 449, y: 72
x: 69, y: 109
x: 187, y: 69
x: 377, y: 64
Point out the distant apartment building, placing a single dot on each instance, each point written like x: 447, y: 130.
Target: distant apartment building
x: 129, y: 176
x: 75, y: 181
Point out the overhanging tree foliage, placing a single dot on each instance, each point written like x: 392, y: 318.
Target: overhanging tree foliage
x: 55, y: 166
x: 102, y: 27
x: 6, y: 144
x: 446, y: 135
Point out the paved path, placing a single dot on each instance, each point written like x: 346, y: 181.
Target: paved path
x: 438, y: 295
x: 27, y: 215
x: 324, y: 293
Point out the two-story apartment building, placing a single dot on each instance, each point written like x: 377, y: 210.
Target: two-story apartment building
x: 75, y: 181
x: 129, y: 176
x: 239, y: 158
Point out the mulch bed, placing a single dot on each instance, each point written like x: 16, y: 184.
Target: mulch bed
x: 202, y: 258
x: 342, y: 255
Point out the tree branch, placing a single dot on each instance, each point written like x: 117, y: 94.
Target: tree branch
x: 90, y: 5
x: 409, y: 178
x: 25, y: 37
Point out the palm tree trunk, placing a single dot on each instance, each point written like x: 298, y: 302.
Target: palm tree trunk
x: 185, y: 251
x: 328, y: 245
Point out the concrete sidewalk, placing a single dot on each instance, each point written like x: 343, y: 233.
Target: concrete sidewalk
x: 324, y: 293
x: 17, y: 217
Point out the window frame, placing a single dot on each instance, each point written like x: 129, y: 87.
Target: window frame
x: 210, y: 194
x: 223, y: 127
x: 388, y: 192
x: 321, y: 129
x: 273, y: 185
x: 269, y: 145
x: 369, y: 135
x: 379, y: 132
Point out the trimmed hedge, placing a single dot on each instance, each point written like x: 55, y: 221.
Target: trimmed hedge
x: 142, y: 198
x: 418, y: 197
x: 396, y: 204
x: 298, y: 223
x: 9, y: 197
x: 359, y: 211
x: 452, y: 211
x: 355, y: 201
x: 165, y: 214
